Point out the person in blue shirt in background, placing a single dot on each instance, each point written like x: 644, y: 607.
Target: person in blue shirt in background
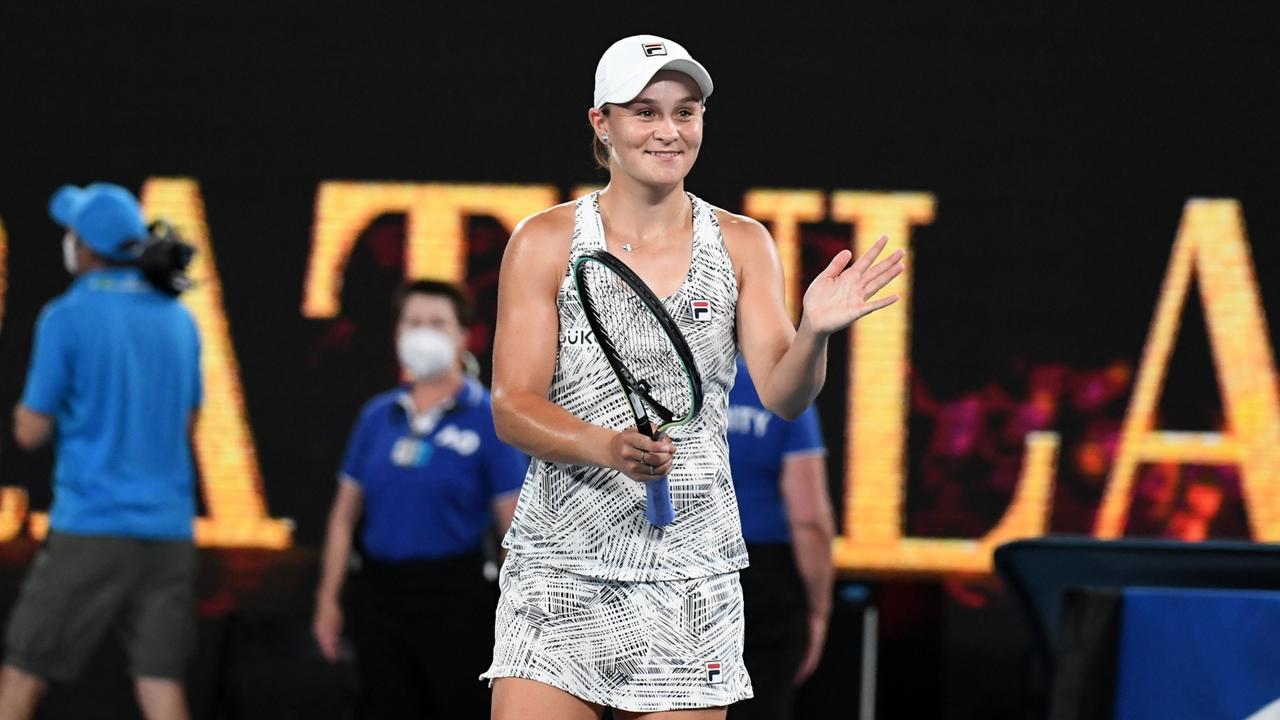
x: 428, y: 478
x: 780, y: 477
x: 115, y: 382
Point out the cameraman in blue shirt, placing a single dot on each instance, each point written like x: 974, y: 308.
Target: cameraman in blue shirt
x: 115, y: 382
x: 426, y: 473
x: 780, y: 478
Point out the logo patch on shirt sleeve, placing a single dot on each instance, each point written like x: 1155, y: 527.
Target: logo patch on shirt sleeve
x: 714, y: 676
x: 701, y: 310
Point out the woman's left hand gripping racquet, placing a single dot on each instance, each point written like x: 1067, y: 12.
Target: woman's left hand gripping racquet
x: 649, y: 356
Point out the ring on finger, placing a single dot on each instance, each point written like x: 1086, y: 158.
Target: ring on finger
x: 652, y: 470
x: 644, y: 455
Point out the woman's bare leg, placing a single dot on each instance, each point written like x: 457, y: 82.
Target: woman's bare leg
x: 523, y: 699
x: 700, y: 714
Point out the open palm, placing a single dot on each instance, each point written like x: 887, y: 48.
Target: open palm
x: 842, y: 292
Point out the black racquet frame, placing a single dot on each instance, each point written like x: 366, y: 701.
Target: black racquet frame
x: 637, y: 390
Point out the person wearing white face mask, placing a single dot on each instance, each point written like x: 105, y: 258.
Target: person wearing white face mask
x: 426, y: 473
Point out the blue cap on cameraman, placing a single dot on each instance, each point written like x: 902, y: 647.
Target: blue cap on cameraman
x: 105, y: 217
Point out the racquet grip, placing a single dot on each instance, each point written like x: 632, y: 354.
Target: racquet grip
x: 659, y: 510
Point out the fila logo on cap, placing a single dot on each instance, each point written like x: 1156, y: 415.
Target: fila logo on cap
x: 714, y: 677
x: 652, y: 49
x: 701, y: 310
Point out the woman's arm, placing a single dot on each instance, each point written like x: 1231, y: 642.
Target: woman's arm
x: 789, y: 365
x: 327, y: 623
x: 504, y: 510
x: 812, y: 525
x: 524, y: 359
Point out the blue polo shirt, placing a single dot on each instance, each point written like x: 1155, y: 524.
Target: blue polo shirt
x: 116, y: 363
x: 759, y: 442
x: 428, y: 493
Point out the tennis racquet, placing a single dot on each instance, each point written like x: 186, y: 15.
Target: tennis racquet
x: 649, y: 356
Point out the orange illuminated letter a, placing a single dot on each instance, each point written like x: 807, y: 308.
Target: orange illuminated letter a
x: 1211, y: 246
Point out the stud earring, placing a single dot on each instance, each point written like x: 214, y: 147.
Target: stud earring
x: 605, y: 138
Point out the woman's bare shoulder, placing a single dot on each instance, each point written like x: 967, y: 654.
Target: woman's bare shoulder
x: 733, y: 223
x: 746, y: 239
x: 547, y: 226
x: 539, y: 246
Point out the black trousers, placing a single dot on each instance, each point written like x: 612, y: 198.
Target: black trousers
x: 777, y: 632
x: 423, y: 633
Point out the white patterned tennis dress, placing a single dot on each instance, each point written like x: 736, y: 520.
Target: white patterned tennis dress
x: 596, y: 600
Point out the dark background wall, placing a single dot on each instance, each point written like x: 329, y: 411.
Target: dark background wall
x: 1060, y: 142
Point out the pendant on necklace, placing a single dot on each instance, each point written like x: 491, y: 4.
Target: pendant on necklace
x: 626, y: 246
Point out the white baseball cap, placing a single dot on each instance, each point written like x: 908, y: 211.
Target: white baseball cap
x: 629, y: 64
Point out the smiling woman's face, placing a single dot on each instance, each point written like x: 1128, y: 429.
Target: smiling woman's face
x: 655, y: 138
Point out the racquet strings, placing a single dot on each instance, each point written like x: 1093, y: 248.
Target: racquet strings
x: 638, y: 341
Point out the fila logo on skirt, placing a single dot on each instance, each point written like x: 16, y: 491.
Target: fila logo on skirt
x: 714, y: 676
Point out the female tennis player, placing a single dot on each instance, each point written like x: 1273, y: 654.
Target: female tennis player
x: 599, y: 607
